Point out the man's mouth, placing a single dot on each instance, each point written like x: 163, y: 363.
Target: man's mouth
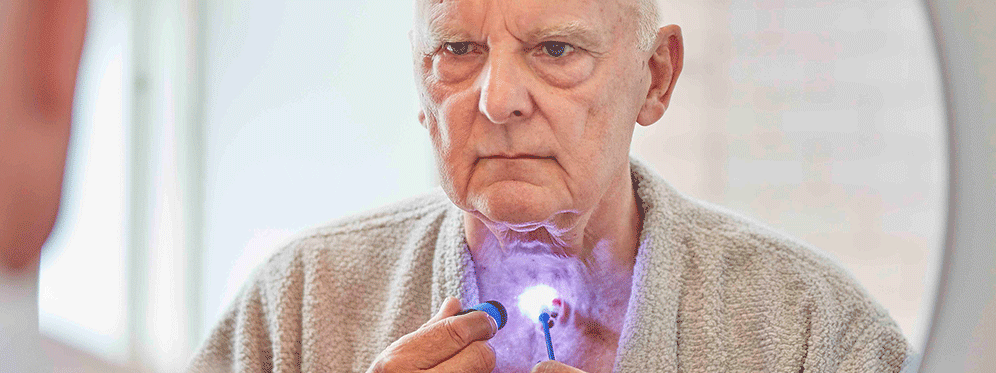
x: 516, y: 156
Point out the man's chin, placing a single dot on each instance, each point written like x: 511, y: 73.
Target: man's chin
x: 517, y: 205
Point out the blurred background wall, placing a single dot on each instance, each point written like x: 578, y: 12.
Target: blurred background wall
x: 206, y: 132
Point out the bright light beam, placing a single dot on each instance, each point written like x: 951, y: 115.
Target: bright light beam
x: 536, y: 299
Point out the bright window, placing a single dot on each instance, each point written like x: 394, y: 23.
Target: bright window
x: 83, y: 281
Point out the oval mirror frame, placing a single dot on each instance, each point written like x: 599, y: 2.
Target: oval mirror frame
x: 963, y: 327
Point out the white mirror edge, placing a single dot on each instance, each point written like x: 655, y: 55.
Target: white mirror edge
x: 963, y: 322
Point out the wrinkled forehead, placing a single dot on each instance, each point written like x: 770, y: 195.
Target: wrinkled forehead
x: 595, y: 21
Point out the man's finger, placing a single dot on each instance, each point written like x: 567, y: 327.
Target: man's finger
x: 478, y: 357
x: 441, y: 340
x: 450, y: 307
x: 553, y: 366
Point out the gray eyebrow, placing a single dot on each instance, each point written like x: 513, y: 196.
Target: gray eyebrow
x: 443, y: 33
x: 428, y: 40
x: 572, y: 30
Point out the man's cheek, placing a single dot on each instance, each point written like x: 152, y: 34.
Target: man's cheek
x: 452, y: 154
x: 458, y: 113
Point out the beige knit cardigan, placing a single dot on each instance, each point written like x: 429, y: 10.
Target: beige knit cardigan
x: 712, y: 292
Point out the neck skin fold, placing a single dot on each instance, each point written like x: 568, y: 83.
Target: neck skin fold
x: 605, y: 238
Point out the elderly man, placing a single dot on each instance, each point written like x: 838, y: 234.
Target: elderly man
x: 531, y: 106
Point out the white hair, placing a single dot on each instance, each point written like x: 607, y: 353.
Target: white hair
x: 648, y: 20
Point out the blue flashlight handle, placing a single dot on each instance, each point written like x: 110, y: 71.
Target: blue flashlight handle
x: 544, y: 319
x: 493, y: 308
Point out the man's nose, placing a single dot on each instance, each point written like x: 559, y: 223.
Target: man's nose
x: 504, y: 95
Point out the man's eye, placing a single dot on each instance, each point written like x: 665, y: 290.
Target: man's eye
x: 459, y: 49
x: 556, y: 49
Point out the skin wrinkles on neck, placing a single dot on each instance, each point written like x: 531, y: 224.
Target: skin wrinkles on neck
x: 605, y: 238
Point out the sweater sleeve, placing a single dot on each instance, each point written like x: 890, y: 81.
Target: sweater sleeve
x: 881, y: 347
x: 240, y: 342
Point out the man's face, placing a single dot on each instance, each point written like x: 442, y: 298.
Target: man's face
x: 530, y: 104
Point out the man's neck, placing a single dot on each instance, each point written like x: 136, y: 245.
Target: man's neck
x: 605, y: 239
x: 593, y: 284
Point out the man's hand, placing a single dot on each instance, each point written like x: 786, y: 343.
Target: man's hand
x: 40, y: 46
x: 553, y: 366
x: 443, y: 344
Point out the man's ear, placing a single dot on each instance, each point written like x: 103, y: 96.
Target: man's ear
x: 665, y: 66
x: 421, y: 118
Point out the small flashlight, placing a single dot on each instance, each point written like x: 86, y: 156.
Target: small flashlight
x: 544, y: 318
x: 493, y: 308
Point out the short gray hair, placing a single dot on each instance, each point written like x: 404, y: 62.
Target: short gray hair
x: 648, y: 20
